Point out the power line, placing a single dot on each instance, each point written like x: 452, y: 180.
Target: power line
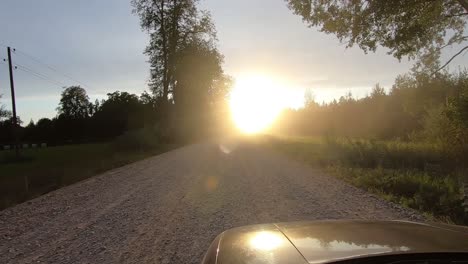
x: 52, y: 68
x: 39, y: 75
x: 35, y: 73
x: 43, y: 75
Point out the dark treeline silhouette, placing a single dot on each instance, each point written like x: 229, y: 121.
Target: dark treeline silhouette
x: 418, y: 108
x: 79, y: 120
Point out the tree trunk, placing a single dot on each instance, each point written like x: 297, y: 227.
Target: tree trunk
x: 164, y: 51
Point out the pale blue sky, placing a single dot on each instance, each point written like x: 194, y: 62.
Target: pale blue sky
x: 100, y: 44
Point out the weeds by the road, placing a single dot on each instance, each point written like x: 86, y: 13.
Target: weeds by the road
x: 44, y: 170
x: 417, y: 175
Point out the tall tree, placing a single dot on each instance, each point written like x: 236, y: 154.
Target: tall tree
x: 418, y: 29
x: 200, y: 88
x: 120, y: 112
x: 198, y: 68
x: 171, y: 24
x: 74, y: 103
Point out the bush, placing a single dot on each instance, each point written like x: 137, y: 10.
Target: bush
x: 439, y: 196
x: 388, y: 154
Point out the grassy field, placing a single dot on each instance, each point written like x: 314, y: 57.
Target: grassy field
x: 417, y: 175
x: 44, y: 170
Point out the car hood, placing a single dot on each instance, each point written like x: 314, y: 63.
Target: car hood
x: 328, y: 241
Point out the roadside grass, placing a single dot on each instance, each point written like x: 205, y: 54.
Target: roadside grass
x: 42, y: 170
x: 421, y: 176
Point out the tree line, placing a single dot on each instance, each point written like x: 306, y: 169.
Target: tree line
x: 418, y: 108
x: 79, y: 120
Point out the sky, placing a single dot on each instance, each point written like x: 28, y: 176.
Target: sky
x: 99, y: 45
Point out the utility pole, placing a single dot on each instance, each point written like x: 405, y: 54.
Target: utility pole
x: 13, y: 103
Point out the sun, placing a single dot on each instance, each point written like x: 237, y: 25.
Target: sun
x: 255, y: 103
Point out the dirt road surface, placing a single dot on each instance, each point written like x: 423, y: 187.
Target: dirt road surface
x: 168, y: 208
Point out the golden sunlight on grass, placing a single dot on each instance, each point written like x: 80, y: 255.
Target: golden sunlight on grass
x: 255, y: 103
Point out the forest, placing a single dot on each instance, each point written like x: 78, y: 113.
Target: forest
x: 418, y: 107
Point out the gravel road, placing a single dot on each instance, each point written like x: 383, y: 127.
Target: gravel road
x: 168, y: 208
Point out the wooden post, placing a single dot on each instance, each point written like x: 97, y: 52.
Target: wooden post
x: 13, y: 103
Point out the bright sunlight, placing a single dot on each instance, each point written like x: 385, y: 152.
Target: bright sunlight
x: 255, y: 103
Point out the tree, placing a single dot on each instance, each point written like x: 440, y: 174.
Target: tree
x: 200, y: 86
x: 74, y: 103
x: 457, y: 113
x: 417, y: 29
x: 309, y: 98
x: 3, y: 112
x: 121, y: 111
x: 198, y: 67
x: 377, y: 92
x: 171, y: 24
x: 45, y: 129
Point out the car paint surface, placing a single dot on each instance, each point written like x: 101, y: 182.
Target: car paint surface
x: 328, y: 241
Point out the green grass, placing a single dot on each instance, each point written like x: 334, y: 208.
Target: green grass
x: 44, y: 170
x: 421, y: 176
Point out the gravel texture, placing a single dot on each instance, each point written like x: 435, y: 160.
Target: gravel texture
x: 168, y: 208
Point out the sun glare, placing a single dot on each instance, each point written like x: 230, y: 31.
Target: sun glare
x: 266, y: 241
x: 255, y: 103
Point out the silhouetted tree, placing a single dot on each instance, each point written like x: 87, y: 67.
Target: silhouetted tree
x: 73, y: 114
x: 45, y: 130
x: 198, y: 76
x: 186, y: 67
x: 416, y: 29
x: 74, y: 103
x: 197, y: 68
x: 121, y: 111
x: 171, y: 24
x: 150, y: 104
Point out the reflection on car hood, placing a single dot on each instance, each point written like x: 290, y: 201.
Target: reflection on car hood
x: 327, y: 241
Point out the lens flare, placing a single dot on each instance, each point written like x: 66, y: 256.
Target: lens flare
x: 211, y: 184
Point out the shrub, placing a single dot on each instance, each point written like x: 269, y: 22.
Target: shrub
x: 439, y: 196
x: 418, y: 175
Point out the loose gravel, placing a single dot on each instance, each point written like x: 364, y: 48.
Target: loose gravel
x: 168, y: 208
